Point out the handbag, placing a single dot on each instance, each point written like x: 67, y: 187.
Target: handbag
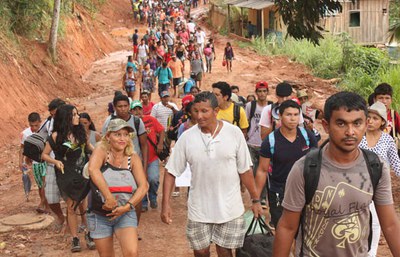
x: 257, y: 245
x: 224, y: 63
x: 165, y: 151
x: 395, y: 134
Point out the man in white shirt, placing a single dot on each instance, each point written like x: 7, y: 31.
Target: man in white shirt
x: 200, y: 39
x: 219, y: 160
x: 269, y: 120
x: 191, y: 27
x: 164, y: 109
x: 38, y: 169
x: 143, y: 53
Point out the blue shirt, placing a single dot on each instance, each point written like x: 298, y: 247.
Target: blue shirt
x: 189, y: 84
x: 163, y: 74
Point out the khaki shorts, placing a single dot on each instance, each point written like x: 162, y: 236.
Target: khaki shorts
x: 228, y: 235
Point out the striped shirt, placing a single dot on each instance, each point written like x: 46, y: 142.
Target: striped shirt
x: 162, y: 113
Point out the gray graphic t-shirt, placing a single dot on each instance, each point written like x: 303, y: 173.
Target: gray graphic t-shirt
x: 337, y: 220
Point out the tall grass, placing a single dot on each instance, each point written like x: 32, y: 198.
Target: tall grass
x: 360, y: 68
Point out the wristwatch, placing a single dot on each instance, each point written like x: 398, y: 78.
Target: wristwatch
x: 255, y: 200
x: 131, y: 206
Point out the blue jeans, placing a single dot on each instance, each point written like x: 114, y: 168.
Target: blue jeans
x: 102, y: 227
x: 153, y: 177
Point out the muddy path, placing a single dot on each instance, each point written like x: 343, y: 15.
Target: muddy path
x: 159, y: 240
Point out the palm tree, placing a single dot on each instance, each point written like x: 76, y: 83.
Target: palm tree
x: 394, y: 32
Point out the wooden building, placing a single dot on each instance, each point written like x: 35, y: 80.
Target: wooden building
x: 262, y: 17
x: 366, y: 21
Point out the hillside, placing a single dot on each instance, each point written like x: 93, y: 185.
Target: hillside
x: 29, y: 80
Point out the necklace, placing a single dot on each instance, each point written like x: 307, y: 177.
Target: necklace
x: 207, y: 145
x: 115, y: 160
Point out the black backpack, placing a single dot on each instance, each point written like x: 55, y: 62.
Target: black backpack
x: 236, y: 114
x: 35, y: 143
x: 312, y: 171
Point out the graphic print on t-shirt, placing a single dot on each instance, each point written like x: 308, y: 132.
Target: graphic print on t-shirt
x: 333, y: 215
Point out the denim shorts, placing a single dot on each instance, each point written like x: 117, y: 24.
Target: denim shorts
x: 101, y: 226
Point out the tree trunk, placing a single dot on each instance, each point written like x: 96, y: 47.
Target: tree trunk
x: 54, y: 30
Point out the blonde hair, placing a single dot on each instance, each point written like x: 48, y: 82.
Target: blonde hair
x: 129, y: 149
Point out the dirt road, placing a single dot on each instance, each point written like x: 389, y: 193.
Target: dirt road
x: 159, y: 240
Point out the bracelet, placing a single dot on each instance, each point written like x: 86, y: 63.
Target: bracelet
x: 131, y: 206
x: 255, y: 200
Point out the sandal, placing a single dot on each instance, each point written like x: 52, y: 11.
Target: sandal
x: 58, y: 227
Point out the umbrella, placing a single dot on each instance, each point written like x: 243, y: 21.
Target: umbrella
x: 27, y: 184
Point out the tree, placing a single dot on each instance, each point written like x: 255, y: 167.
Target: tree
x: 54, y: 30
x: 301, y: 17
x: 394, y: 20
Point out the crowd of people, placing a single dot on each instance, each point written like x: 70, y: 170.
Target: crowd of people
x: 229, y: 142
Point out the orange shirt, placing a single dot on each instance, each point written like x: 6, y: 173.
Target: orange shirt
x: 176, y: 68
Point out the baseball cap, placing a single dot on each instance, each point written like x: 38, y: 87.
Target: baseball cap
x: 283, y: 89
x: 118, y: 124
x: 135, y: 104
x: 302, y: 93
x: 380, y: 109
x: 187, y: 99
x: 164, y: 94
x: 262, y: 84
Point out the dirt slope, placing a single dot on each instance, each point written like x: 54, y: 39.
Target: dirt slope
x: 29, y: 79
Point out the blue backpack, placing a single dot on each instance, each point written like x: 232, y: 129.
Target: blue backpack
x: 271, y: 138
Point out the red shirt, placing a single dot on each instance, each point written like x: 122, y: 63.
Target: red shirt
x: 147, y: 108
x: 390, y: 122
x: 153, y: 127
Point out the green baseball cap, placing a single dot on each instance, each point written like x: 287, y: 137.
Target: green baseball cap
x: 135, y: 104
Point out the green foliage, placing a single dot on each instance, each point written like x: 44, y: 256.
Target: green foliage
x: 360, y: 68
x: 369, y: 60
x: 25, y: 17
x: 32, y: 18
x: 357, y: 80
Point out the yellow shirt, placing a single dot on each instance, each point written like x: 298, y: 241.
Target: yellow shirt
x: 227, y: 115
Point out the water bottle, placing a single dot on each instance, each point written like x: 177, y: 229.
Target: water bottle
x: 24, y: 169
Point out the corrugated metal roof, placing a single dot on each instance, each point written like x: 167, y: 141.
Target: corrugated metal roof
x: 251, y: 4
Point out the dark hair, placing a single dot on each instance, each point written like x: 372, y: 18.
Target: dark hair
x: 288, y: 104
x: 371, y: 99
x: 187, y: 109
x: 164, y: 64
x: 117, y: 92
x: 234, y: 87
x: 118, y: 98
x: 247, y: 98
x: 206, y: 96
x: 63, y: 126
x: 144, y: 92
x: 347, y: 100
x: 33, y: 117
x: 383, y: 89
x: 85, y: 115
x: 224, y: 87
x: 55, y: 103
